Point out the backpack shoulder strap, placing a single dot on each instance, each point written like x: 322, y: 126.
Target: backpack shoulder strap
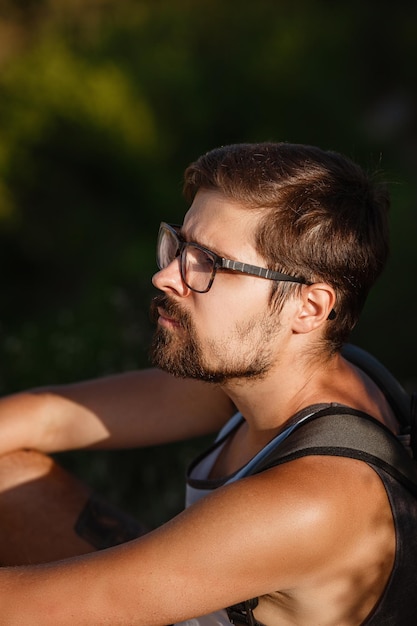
x: 397, y: 396
x: 402, y: 403
x: 342, y: 431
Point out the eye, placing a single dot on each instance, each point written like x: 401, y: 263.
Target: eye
x: 205, y: 259
x: 199, y: 260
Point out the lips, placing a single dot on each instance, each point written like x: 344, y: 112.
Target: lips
x: 166, y: 313
x: 166, y: 320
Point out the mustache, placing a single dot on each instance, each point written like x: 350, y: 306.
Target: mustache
x: 171, y: 308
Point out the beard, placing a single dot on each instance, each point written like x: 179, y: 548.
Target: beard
x: 181, y: 353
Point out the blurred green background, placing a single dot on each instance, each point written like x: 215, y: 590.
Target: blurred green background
x: 103, y: 103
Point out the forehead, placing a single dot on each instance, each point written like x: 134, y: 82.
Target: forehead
x: 218, y: 223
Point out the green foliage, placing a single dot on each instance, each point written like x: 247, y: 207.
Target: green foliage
x: 102, y: 105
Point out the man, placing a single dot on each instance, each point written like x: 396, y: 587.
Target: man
x: 260, y: 287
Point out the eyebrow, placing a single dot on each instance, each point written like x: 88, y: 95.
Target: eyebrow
x: 203, y: 245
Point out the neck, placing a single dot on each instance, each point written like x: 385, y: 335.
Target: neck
x: 269, y: 401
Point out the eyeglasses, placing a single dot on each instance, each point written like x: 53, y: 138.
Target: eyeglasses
x: 198, y: 265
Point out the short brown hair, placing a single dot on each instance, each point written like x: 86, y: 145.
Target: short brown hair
x: 325, y: 219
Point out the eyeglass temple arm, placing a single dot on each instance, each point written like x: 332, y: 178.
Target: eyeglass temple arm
x: 262, y: 272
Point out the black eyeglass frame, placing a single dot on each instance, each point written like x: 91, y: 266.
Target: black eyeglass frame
x: 219, y: 262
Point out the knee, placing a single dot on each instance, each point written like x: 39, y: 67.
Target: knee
x: 22, y: 466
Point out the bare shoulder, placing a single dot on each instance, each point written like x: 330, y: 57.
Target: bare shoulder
x: 313, y: 515
x: 308, y: 533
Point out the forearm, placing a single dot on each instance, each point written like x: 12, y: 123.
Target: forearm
x: 86, y: 591
x: 134, y: 584
x: 134, y: 409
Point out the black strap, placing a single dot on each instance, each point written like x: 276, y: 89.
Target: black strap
x: 342, y: 431
x: 242, y: 613
x: 397, y: 396
x: 413, y: 425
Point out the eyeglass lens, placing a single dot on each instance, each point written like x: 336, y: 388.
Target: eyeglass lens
x: 197, y: 265
x: 168, y: 247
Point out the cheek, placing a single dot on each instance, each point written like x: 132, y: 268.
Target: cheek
x: 209, y: 318
x: 230, y: 304
x: 238, y: 292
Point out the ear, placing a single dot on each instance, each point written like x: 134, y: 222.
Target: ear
x: 316, y: 307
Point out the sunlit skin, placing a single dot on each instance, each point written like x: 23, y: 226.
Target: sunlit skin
x: 226, y: 335
x: 317, y: 532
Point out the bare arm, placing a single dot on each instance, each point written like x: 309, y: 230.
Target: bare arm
x: 294, y: 528
x: 133, y: 409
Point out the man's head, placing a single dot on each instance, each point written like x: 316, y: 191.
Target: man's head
x: 214, y: 319
x: 320, y: 217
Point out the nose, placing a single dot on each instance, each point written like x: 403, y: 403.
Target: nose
x: 169, y: 279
